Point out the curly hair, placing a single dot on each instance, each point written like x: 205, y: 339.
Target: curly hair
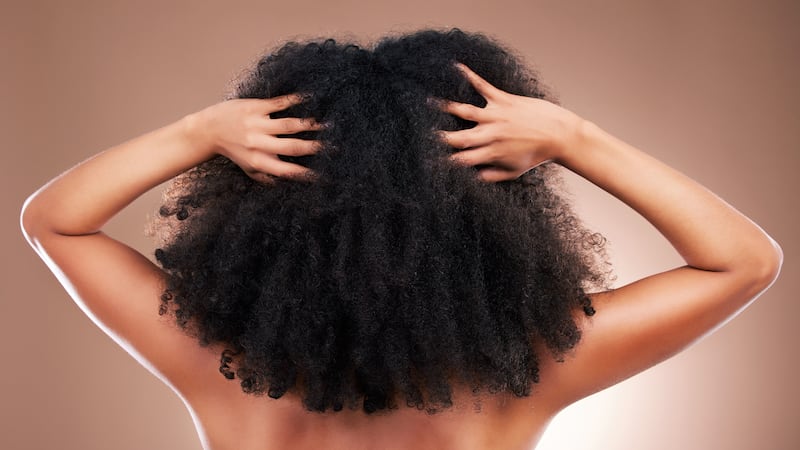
x: 396, y: 275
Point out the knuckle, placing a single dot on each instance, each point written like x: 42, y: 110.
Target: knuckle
x: 310, y: 147
x: 252, y: 123
x: 294, y: 150
x: 302, y: 147
x: 248, y: 164
x: 472, y: 112
x: 250, y: 141
x: 277, y: 104
x: 255, y: 162
x: 464, y: 142
x: 488, y: 132
x: 247, y: 106
x: 494, y: 155
x: 289, y: 148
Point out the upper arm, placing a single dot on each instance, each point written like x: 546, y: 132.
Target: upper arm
x: 120, y: 290
x: 648, y: 321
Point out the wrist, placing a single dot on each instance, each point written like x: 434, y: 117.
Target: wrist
x: 582, y: 135
x: 194, y: 129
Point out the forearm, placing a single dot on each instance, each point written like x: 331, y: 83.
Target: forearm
x: 706, y: 231
x: 83, y: 199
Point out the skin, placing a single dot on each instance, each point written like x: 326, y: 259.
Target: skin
x: 730, y: 261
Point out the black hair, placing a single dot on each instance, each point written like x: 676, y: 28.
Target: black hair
x: 396, y: 275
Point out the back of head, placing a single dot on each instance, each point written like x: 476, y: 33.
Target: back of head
x: 396, y: 275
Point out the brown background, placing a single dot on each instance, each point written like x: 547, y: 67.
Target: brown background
x: 709, y: 87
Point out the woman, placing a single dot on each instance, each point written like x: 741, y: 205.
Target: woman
x: 374, y: 238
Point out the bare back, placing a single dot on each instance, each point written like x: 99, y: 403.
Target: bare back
x: 227, y: 418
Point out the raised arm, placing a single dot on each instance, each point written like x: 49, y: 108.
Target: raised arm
x: 729, y: 259
x: 117, y: 287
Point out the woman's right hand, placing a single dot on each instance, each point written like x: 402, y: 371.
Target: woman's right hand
x: 513, y: 133
x: 242, y: 131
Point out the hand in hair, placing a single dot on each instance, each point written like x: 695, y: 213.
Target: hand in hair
x: 513, y: 134
x: 242, y: 130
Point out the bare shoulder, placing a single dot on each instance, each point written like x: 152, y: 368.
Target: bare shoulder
x: 646, y: 322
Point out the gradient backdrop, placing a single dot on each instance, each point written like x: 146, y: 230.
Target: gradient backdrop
x: 709, y: 87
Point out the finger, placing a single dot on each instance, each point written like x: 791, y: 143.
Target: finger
x: 482, y: 86
x: 258, y: 143
x: 266, y: 178
x: 294, y: 147
x: 472, y: 137
x: 463, y: 110
x: 282, y: 102
x: 261, y: 177
x: 495, y: 174
x: 272, y: 165
x: 473, y: 157
x: 291, y: 125
x: 293, y: 171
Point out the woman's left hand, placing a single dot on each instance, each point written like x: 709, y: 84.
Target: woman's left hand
x: 514, y: 133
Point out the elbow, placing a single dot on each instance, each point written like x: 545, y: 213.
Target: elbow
x: 766, y: 268
x: 30, y: 219
x: 25, y: 220
x: 776, y: 262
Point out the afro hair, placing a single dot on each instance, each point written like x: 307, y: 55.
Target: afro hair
x: 395, y: 276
